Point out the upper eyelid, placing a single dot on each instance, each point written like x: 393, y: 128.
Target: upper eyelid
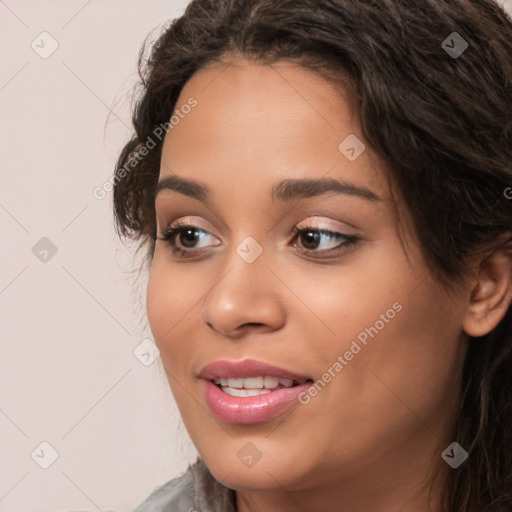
x: 182, y: 221
x: 161, y: 211
x: 187, y: 220
x: 326, y: 213
x: 184, y: 225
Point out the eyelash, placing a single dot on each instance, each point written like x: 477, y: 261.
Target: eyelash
x: 171, y: 233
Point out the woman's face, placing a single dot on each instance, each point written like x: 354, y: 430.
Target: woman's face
x: 350, y: 310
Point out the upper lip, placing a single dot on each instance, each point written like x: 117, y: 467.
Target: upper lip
x: 247, y: 368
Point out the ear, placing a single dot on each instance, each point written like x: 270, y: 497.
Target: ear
x: 490, y: 295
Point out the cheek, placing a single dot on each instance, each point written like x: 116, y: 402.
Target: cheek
x: 172, y: 293
x: 406, y: 367
x: 343, y: 302
x: 159, y: 303
x: 167, y: 306
x: 424, y: 345
x: 398, y: 331
x: 167, y: 303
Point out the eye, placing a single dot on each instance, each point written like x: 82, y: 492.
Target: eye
x: 187, y: 236
x: 311, y: 240
x: 183, y: 240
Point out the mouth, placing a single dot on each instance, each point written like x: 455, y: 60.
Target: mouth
x: 250, y: 391
x: 255, y: 386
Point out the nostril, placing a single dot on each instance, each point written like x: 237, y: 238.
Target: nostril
x: 251, y: 324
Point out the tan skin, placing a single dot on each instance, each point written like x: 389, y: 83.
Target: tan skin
x: 369, y: 439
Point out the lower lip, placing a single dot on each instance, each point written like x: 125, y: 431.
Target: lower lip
x: 251, y: 409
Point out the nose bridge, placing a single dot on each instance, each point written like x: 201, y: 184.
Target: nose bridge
x: 244, y: 294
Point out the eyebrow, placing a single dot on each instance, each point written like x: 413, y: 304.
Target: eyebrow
x: 283, y: 191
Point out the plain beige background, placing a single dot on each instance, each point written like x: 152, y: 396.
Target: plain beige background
x: 69, y: 325
x: 72, y: 323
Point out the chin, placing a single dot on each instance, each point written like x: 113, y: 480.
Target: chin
x: 246, y: 470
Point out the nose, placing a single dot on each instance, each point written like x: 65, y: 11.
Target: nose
x: 245, y: 299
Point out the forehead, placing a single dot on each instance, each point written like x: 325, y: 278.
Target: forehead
x: 282, y: 91
x: 262, y: 122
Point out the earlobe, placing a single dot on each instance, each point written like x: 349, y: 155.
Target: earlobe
x: 491, y: 295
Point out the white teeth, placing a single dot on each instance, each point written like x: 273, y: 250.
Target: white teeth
x: 253, y: 382
x: 236, y: 383
x: 245, y: 392
x: 266, y: 382
x: 270, y: 382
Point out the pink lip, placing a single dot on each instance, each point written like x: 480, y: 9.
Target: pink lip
x: 247, y: 368
x: 253, y: 409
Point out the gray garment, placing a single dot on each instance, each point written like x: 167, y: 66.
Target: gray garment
x: 194, y: 491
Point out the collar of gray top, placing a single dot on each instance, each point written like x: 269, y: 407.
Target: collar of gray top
x: 210, y: 494
x: 194, y: 491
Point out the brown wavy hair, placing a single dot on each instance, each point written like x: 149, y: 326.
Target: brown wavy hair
x: 442, y: 124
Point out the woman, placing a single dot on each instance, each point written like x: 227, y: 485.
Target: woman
x: 322, y: 190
